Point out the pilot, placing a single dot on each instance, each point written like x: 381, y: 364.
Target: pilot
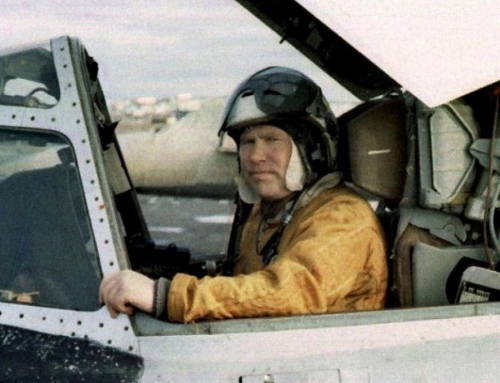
x: 310, y: 244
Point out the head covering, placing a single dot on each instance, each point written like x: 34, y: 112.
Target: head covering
x: 289, y: 100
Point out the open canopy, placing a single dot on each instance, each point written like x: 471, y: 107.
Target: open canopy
x: 437, y: 50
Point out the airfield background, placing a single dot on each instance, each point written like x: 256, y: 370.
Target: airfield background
x: 202, y: 225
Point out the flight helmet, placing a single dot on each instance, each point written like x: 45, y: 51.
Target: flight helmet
x: 288, y: 99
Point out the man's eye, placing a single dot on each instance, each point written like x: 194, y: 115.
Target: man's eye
x: 272, y: 139
x: 247, y: 142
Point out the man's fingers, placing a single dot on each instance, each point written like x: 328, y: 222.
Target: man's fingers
x: 115, y: 311
x: 105, y: 287
x: 112, y: 295
x: 122, y: 291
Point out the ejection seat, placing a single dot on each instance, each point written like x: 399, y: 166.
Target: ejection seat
x: 413, y: 162
x: 373, y: 157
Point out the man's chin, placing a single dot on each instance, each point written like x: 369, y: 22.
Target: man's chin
x: 261, y: 177
x: 272, y: 195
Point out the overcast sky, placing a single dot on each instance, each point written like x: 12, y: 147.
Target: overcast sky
x: 161, y: 49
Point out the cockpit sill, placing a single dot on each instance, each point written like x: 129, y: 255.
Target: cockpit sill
x: 145, y: 325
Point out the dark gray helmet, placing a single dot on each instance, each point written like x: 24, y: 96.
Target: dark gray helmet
x: 288, y: 99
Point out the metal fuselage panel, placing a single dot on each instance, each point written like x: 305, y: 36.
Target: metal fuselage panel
x: 438, y: 350
x: 71, y: 118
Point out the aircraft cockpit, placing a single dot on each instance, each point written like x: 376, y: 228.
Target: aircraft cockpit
x: 70, y: 214
x: 426, y: 167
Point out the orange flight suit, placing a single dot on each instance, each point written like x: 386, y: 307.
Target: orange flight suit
x: 331, y: 258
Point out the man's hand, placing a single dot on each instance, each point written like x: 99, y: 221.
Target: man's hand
x: 123, y: 291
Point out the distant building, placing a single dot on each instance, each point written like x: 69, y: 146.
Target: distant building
x: 142, y: 112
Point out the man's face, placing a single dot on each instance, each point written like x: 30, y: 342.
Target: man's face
x: 265, y: 152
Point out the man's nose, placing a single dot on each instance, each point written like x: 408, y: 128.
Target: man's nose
x: 259, y: 151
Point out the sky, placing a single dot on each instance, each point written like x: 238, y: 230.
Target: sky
x: 161, y: 49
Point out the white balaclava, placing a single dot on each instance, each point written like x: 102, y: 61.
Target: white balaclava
x: 294, y: 178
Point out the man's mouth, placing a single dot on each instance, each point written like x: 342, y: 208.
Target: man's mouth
x: 260, y: 174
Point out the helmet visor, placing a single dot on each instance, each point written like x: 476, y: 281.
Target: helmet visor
x: 273, y: 92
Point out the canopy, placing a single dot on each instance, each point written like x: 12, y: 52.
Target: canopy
x: 437, y: 50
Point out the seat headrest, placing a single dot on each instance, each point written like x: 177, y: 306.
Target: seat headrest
x: 373, y: 150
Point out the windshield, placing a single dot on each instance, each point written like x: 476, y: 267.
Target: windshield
x: 47, y: 250
x: 28, y: 78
